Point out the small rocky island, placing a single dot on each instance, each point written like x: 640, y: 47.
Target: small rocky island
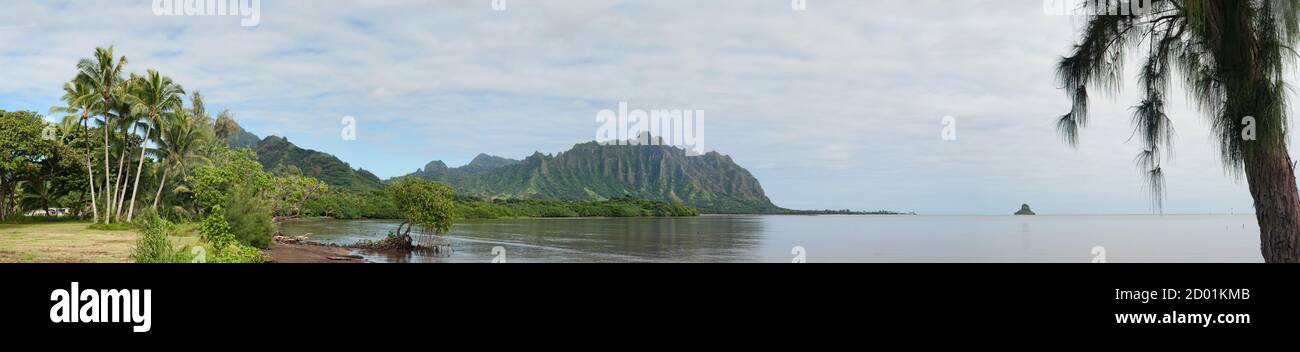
x: 1024, y: 210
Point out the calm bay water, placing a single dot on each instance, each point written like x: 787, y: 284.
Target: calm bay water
x: 833, y: 239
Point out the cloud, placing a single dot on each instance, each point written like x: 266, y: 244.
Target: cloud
x: 838, y: 106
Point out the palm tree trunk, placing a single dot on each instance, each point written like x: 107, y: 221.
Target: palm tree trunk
x: 119, y: 188
x: 108, y: 204
x: 117, y: 185
x: 1277, y: 205
x: 90, y: 174
x: 119, y: 191
x: 138, y: 168
x: 161, y: 184
x: 90, y: 169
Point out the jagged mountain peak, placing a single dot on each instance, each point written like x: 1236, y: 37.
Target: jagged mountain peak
x: 436, y: 165
x: 592, y: 170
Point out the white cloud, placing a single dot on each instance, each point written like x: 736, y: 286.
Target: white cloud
x: 839, y: 104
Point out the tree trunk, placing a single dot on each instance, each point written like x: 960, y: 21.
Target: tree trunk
x: 119, y: 189
x: 4, y: 198
x: 108, y: 203
x: 1277, y: 204
x: 120, y: 194
x: 90, y: 168
x: 122, y: 175
x: 117, y: 185
x: 130, y: 213
x: 161, y: 184
x: 90, y: 176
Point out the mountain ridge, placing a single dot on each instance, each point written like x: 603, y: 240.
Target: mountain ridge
x: 275, y: 151
x: 712, y: 182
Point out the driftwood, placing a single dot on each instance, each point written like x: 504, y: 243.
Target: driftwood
x: 426, y: 244
x: 284, y: 239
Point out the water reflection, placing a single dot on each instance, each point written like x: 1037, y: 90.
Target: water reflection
x: 702, y: 239
x: 854, y: 239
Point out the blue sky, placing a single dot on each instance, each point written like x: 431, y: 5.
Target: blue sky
x: 838, y: 106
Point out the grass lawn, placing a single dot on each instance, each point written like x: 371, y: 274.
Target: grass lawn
x: 69, y: 242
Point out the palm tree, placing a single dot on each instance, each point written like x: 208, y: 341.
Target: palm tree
x: 103, y: 76
x: 127, y: 123
x: 1233, y: 57
x: 152, y: 96
x: 81, y: 100
x: 180, y: 139
x: 37, y: 194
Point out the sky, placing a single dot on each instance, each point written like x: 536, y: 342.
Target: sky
x: 839, y: 105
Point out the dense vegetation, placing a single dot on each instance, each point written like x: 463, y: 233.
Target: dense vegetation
x: 351, y: 205
x: 31, y: 176
x: 130, y: 154
x: 135, y: 152
x: 469, y: 207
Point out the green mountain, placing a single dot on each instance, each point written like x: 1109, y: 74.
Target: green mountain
x: 484, y: 162
x: 273, y: 151
x: 711, y: 182
x: 438, y: 170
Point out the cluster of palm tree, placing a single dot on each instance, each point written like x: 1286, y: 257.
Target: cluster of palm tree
x: 133, y: 112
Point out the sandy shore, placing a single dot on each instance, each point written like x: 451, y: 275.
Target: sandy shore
x: 308, y: 253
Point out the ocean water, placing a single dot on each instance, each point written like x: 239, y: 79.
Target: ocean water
x: 827, y: 239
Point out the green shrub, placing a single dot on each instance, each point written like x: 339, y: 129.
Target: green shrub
x: 228, y: 169
x: 214, y: 225
x: 223, y: 247
x: 248, y: 217
x: 153, y: 245
x: 235, y: 252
